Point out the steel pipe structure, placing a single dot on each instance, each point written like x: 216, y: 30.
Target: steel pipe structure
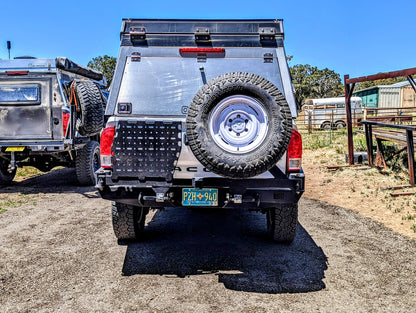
x: 349, y: 84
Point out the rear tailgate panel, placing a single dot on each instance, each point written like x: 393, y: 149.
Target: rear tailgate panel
x: 27, y: 120
x: 174, y: 80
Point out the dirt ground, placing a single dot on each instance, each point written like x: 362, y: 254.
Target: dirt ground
x: 362, y: 189
x: 58, y: 254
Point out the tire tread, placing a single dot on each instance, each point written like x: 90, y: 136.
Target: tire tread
x: 204, y: 101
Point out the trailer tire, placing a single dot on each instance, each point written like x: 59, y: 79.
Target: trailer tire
x: 5, y: 176
x: 128, y: 221
x: 282, y: 223
x: 326, y: 126
x: 340, y: 125
x: 239, y: 125
x: 90, y: 115
x: 87, y: 162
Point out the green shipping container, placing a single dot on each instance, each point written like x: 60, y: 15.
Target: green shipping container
x: 369, y: 97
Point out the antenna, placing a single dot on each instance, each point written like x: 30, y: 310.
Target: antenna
x: 9, y: 46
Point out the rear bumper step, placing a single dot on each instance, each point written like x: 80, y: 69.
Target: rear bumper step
x: 235, y: 193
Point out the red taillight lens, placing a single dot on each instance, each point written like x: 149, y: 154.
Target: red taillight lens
x: 208, y: 52
x: 201, y: 50
x: 107, y: 137
x: 294, y: 152
x: 65, y: 120
x: 12, y: 73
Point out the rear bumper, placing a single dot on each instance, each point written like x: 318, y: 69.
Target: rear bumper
x: 33, y: 146
x: 42, y: 146
x: 247, y: 193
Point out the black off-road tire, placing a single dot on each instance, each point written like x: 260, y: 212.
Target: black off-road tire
x: 90, y: 118
x: 128, y: 220
x: 5, y: 176
x: 239, y: 165
x: 87, y: 162
x: 282, y: 223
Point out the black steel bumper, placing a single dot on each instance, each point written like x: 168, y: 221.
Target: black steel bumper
x: 232, y: 193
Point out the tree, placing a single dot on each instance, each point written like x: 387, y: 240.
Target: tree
x: 311, y: 82
x: 302, y: 81
x: 106, y: 65
x: 328, y: 84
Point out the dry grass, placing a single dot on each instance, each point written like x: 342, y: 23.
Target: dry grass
x: 361, y: 189
x: 13, y: 201
x: 27, y: 171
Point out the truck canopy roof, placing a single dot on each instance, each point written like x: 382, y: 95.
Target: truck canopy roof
x: 238, y: 33
x: 41, y: 65
x: 49, y: 65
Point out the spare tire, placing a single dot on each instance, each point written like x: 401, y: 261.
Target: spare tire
x: 90, y: 115
x: 239, y: 125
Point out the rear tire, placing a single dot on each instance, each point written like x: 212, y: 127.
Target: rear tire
x: 282, y: 223
x: 128, y: 220
x: 87, y: 162
x: 5, y: 176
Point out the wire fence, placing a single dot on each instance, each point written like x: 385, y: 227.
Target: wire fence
x: 395, y: 116
x: 326, y: 127
x: 311, y: 120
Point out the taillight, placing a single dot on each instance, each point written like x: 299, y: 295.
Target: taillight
x: 65, y: 120
x: 107, y: 137
x: 13, y: 73
x: 202, y: 50
x: 195, y: 52
x: 294, y: 152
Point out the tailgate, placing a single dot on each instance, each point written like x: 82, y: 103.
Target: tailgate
x: 25, y: 109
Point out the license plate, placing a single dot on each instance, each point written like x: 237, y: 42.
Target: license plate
x: 199, y: 197
x: 15, y: 149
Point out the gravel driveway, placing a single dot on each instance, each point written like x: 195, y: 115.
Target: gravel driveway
x: 58, y: 254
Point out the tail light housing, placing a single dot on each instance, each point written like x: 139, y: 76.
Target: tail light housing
x: 65, y: 120
x: 107, y: 137
x: 294, y: 152
x: 184, y: 51
x: 15, y: 73
x: 202, y: 52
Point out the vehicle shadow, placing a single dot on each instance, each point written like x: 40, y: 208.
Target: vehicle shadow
x: 233, y: 244
x: 56, y: 181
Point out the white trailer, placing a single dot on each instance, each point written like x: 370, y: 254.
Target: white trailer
x: 330, y: 113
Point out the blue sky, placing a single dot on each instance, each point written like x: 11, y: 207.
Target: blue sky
x: 350, y: 37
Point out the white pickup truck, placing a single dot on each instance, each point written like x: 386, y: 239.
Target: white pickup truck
x: 201, y: 114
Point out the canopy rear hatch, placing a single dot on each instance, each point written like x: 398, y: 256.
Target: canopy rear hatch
x: 25, y: 108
